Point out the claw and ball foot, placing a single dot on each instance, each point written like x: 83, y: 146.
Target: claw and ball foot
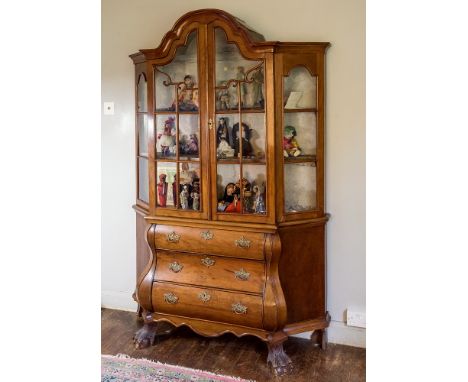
x: 146, y: 336
x: 279, y: 360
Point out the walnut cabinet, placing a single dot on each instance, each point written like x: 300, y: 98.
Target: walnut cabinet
x: 230, y: 184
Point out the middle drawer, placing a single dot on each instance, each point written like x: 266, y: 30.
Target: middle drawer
x: 212, y: 271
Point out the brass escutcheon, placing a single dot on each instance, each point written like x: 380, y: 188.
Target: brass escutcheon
x: 175, y: 267
x: 238, y: 308
x: 242, y: 274
x: 170, y: 298
x: 173, y: 237
x: 204, y: 296
x: 207, y: 235
x: 207, y: 261
x: 242, y: 242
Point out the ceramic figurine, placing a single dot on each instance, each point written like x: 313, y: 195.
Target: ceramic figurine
x: 240, y: 76
x: 224, y: 98
x: 162, y: 190
x: 184, y: 197
x: 290, y: 146
x: 222, y: 131
x: 189, y: 146
x: 195, y: 200
x: 256, y: 89
x: 188, y: 96
x: 247, y: 150
x: 259, y: 203
x: 167, y: 137
x: 230, y: 201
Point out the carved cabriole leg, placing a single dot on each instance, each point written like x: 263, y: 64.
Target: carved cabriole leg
x: 148, y: 334
x: 320, y: 338
x: 277, y: 357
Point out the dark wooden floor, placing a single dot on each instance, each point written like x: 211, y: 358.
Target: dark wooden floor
x: 242, y: 357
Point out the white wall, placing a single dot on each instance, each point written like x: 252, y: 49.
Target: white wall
x: 129, y: 25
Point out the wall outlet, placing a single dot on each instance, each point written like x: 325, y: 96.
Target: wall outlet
x: 355, y: 318
x: 108, y: 108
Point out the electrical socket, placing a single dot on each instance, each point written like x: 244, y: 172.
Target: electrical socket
x: 355, y: 318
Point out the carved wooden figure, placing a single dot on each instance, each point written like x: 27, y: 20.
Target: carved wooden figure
x: 256, y: 271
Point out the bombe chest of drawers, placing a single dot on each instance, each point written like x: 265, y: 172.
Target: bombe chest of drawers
x: 230, y: 184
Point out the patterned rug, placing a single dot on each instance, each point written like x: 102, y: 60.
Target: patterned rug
x: 122, y: 368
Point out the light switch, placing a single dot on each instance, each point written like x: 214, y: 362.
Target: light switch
x: 108, y: 108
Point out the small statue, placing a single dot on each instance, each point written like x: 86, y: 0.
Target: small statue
x: 247, y: 150
x: 230, y: 201
x: 290, y: 146
x: 223, y: 131
x: 259, y: 203
x: 189, y: 146
x: 195, y: 200
x: 256, y: 87
x: 167, y: 137
x: 184, y: 197
x: 187, y: 95
x: 224, y: 97
x: 240, y: 76
x: 162, y: 190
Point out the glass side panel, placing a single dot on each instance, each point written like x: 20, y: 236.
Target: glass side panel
x: 189, y: 186
x: 142, y: 94
x: 166, y: 185
x: 166, y: 132
x: 189, y: 134
x: 300, y: 89
x: 300, y: 187
x: 176, y: 82
x: 142, y: 135
x: 143, y: 181
x: 240, y: 130
x: 300, y: 140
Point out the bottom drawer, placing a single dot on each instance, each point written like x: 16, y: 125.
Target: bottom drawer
x: 209, y: 304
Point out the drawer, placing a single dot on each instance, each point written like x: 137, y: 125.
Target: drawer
x: 211, y: 271
x: 248, y: 245
x: 209, y: 304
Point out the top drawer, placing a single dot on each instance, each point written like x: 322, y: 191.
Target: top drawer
x: 248, y: 245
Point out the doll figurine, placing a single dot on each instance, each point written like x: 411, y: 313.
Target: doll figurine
x: 256, y: 87
x: 230, y: 201
x: 259, y: 203
x: 162, y: 190
x: 222, y: 131
x: 240, y: 76
x: 224, y: 98
x: 184, y: 197
x: 247, y: 150
x: 290, y: 146
x: 166, y: 138
x: 190, y: 145
x: 188, y: 96
x: 195, y: 201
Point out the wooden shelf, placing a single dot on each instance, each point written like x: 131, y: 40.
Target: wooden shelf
x: 301, y: 159
x: 236, y: 111
x: 167, y: 112
x: 308, y: 110
x: 175, y: 160
x: 244, y: 161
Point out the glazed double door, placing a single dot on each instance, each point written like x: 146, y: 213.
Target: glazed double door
x: 203, y: 112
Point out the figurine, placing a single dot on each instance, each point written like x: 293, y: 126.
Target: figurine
x: 290, y: 146
x: 247, y: 150
x: 223, y: 131
x: 196, y: 200
x: 187, y: 95
x: 162, y: 190
x: 256, y: 87
x: 230, y: 201
x: 240, y: 76
x: 224, y: 97
x: 166, y: 138
x: 189, y: 146
x: 184, y: 197
x: 259, y: 203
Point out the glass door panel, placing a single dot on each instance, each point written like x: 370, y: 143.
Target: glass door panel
x: 142, y: 135
x: 142, y: 94
x: 300, y: 140
x: 177, y: 127
x: 240, y: 130
x: 143, y: 181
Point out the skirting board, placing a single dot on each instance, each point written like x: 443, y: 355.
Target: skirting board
x: 338, y: 332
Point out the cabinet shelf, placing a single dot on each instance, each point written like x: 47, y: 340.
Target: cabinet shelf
x: 168, y: 112
x: 305, y: 110
x: 301, y: 159
x: 236, y: 111
x: 244, y: 161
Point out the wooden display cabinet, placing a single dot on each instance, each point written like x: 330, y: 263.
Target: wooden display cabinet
x: 230, y: 186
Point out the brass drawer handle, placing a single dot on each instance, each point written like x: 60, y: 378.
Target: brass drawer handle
x: 173, y: 237
x: 208, y: 262
x: 243, y: 242
x: 207, y: 235
x: 175, y: 267
x: 238, y: 308
x: 171, y: 298
x: 204, y: 296
x: 242, y: 274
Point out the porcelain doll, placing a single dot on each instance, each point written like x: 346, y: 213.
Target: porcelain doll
x: 259, y: 203
x: 222, y: 132
x: 188, y: 96
x: 224, y: 98
x: 290, y: 146
x: 162, y: 190
x: 247, y: 150
x: 167, y: 137
x: 190, y: 145
x: 184, y: 197
x: 256, y: 89
x: 195, y: 200
x: 240, y: 76
x: 230, y: 201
